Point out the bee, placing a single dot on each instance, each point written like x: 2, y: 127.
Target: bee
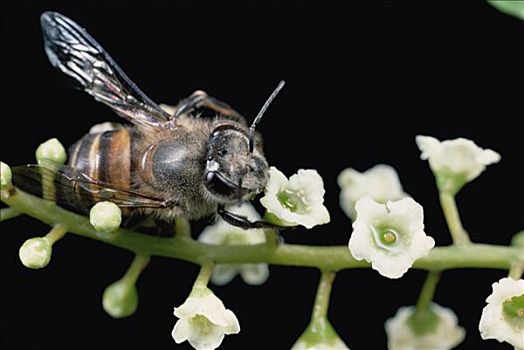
x: 164, y: 165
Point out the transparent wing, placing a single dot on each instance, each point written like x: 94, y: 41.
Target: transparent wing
x: 70, y: 188
x: 76, y: 54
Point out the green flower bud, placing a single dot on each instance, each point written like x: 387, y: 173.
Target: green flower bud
x: 35, y: 253
x: 52, y: 150
x: 120, y: 299
x: 105, y: 217
x: 5, y: 176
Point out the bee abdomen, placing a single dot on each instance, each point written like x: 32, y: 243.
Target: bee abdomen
x: 104, y: 157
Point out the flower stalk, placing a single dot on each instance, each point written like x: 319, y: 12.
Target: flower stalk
x: 320, y: 309
x: 8, y: 213
x: 449, y: 207
x: 440, y: 258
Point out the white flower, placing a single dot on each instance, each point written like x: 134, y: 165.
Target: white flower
x: 447, y: 334
x: 297, y: 201
x: 503, y: 317
x: 391, y: 236
x: 460, y: 159
x: 35, y: 253
x: 224, y: 233
x: 51, y: 150
x: 203, y: 320
x: 380, y: 182
x: 105, y: 217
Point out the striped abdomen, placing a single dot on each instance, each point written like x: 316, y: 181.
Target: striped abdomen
x: 105, y: 157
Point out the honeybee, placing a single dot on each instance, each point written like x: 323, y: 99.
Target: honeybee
x: 166, y: 165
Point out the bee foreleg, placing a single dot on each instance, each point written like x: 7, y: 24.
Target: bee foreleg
x: 243, y: 222
x: 201, y: 99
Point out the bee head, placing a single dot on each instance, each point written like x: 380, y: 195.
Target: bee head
x: 233, y: 170
x: 236, y: 167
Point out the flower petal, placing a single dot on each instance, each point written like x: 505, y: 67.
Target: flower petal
x: 223, y: 274
x: 233, y: 327
x: 181, y: 331
x: 254, y: 274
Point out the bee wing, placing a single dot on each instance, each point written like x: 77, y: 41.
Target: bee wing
x: 76, y: 54
x: 64, y: 185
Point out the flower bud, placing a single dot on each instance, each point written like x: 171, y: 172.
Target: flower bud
x: 35, y: 253
x: 120, y: 299
x: 52, y: 150
x: 5, y: 176
x: 105, y: 217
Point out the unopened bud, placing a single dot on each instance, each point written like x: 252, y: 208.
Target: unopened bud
x: 120, y: 299
x: 5, y: 176
x: 35, y: 253
x: 105, y: 217
x: 51, y: 150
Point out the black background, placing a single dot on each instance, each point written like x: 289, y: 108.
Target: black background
x: 362, y: 80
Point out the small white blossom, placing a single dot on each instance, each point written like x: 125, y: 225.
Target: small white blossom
x: 460, y: 159
x: 498, y: 323
x: 203, y: 320
x: 35, y: 253
x: 297, y: 201
x: 390, y: 236
x: 105, y: 217
x: 224, y: 233
x: 51, y: 150
x: 5, y: 175
x: 380, y: 182
x: 446, y: 335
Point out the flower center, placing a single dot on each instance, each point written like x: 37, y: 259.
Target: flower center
x: 387, y: 238
x: 294, y: 201
x: 202, y: 323
x: 513, y: 310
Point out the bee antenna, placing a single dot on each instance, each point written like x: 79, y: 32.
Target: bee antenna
x: 261, y: 113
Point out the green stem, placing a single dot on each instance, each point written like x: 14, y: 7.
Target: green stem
x: 332, y: 258
x: 449, y: 206
x: 8, y: 213
x: 516, y: 270
x: 428, y: 290
x: 320, y: 309
x: 424, y: 320
x: 204, y: 275
x: 135, y: 269
x: 57, y: 232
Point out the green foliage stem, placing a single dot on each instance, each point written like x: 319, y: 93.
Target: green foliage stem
x: 332, y: 258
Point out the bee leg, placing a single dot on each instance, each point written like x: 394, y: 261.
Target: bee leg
x: 243, y: 222
x: 201, y: 99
